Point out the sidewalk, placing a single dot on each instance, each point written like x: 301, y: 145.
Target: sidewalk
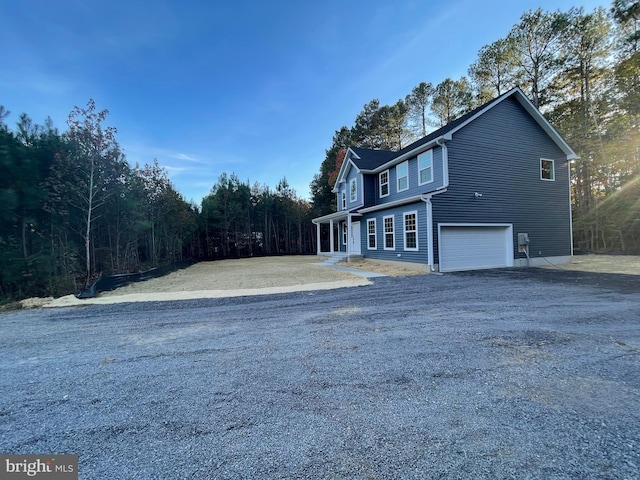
x: 354, y: 271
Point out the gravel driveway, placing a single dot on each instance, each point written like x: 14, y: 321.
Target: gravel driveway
x: 479, y: 375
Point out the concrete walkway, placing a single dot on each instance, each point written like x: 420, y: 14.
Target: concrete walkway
x: 354, y: 271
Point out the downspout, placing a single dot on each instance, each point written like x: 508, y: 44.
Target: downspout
x: 570, y: 213
x: 441, y: 142
x: 349, y: 227
x: 427, y: 200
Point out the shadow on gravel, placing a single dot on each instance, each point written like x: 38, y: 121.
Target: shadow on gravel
x: 618, y: 282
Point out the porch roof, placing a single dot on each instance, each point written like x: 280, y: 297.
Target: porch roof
x: 337, y: 216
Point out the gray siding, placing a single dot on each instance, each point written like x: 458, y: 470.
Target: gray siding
x: 351, y: 174
x: 370, y: 187
x: 414, y: 188
x: 419, y: 256
x: 498, y: 155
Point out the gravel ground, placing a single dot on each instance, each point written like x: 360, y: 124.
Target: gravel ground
x: 483, y: 375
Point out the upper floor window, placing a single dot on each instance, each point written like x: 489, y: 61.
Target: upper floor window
x: 425, y: 167
x: 402, y: 174
x: 411, y: 231
x: 384, y: 183
x: 353, y: 190
x: 547, y: 171
x: 344, y: 201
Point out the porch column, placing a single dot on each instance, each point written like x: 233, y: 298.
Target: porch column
x: 319, y: 249
x: 331, y: 236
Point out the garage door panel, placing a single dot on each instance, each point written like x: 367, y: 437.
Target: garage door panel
x: 474, y: 247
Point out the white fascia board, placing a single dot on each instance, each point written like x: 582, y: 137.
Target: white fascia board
x: 531, y: 110
x: 395, y: 203
x: 331, y: 216
x: 344, y: 169
x: 546, y: 126
x: 411, y: 153
x: 448, y: 136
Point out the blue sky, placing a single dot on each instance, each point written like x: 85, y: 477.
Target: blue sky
x: 252, y: 87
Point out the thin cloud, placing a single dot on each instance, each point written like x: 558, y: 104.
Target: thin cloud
x: 172, y: 171
x: 146, y: 154
x: 187, y: 157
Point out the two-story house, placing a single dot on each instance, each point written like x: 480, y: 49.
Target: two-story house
x: 490, y: 189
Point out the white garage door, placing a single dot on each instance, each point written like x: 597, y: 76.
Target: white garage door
x: 471, y: 247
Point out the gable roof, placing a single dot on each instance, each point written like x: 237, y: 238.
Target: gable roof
x: 364, y: 160
x: 531, y: 109
x: 367, y: 159
x: 375, y: 161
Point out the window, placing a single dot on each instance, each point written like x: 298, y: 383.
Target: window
x: 344, y: 201
x: 384, y: 183
x: 411, y: 231
x: 402, y: 174
x: 425, y: 167
x: 353, y: 190
x: 344, y: 233
x: 389, y: 240
x: 547, y: 171
x: 371, y: 234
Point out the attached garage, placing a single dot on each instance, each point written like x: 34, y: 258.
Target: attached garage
x: 474, y: 246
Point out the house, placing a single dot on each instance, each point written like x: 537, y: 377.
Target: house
x: 490, y: 189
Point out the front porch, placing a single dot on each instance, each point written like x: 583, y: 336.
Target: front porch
x: 338, y: 257
x: 338, y: 236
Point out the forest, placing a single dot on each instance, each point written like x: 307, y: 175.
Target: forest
x: 74, y: 209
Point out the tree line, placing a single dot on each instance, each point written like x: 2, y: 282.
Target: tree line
x: 581, y: 69
x: 74, y: 209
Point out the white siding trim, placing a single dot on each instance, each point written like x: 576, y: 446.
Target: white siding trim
x: 395, y: 203
x: 344, y: 169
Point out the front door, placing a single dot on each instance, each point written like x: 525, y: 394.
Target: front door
x: 354, y: 239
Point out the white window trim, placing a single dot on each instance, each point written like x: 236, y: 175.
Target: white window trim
x: 344, y: 200
x: 380, y: 183
x: 404, y: 230
x: 405, y: 163
x: 344, y: 233
x: 553, y: 170
x: 423, y: 155
x: 384, y: 232
x: 369, y: 235
x: 353, y: 193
